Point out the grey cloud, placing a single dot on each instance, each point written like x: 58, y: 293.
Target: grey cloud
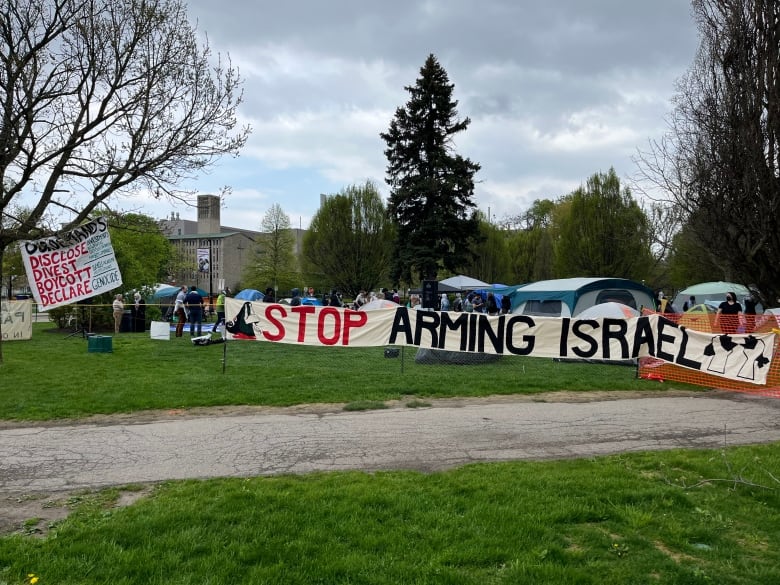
x: 529, y: 74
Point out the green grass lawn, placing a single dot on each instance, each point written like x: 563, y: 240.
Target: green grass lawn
x: 634, y: 519
x: 675, y: 517
x: 52, y: 377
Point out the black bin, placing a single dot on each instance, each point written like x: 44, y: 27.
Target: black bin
x: 126, y: 326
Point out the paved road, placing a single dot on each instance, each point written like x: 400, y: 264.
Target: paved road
x: 54, y: 458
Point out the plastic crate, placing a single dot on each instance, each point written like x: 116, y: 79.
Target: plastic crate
x: 100, y: 344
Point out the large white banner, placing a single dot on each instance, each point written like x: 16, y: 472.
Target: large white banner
x: 69, y: 267
x: 15, y: 320
x: 739, y: 357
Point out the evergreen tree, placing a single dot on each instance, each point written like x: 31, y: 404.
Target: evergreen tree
x: 431, y: 199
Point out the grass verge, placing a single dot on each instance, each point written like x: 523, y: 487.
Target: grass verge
x: 612, y: 520
x: 51, y: 377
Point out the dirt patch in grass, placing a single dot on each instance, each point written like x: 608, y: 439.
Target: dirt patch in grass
x: 34, y: 514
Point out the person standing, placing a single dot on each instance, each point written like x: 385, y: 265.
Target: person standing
x: 360, y: 300
x: 750, y: 312
x: 139, y: 313
x: 295, y: 301
x: 119, y: 309
x: 506, y: 305
x: 689, y: 304
x: 180, y: 311
x: 728, y: 314
x: 491, y: 304
x: 444, y: 303
x: 457, y: 306
x: 220, y: 308
x: 194, y: 303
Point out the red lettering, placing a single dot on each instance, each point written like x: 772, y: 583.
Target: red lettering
x: 54, y: 296
x: 324, y: 313
x: 303, y: 310
x: 353, y: 319
x: 269, y: 314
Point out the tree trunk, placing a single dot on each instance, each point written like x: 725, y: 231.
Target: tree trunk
x: 2, y: 252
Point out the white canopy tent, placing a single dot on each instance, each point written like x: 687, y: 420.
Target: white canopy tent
x: 462, y: 282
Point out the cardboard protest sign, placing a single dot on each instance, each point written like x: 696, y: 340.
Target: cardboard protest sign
x: 16, y: 320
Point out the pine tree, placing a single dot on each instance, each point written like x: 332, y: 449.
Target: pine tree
x: 431, y: 199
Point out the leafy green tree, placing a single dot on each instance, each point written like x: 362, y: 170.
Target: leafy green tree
x: 691, y: 262
x: 602, y: 231
x: 349, y: 240
x: 274, y: 263
x: 531, y: 256
x: 432, y: 187
x: 142, y: 252
x: 530, y: 248
x: 490, y: 261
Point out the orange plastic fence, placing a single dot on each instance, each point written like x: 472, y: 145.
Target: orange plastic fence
x: 654, y: 369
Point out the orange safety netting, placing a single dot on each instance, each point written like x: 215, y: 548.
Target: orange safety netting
x: 655, y: 369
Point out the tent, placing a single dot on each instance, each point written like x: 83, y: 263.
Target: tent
x: 609, y: 309
x: 462, y: 282
x: 708, y: 307
x: 711, y: 291
x: 441, y: 288
x: 378, y: 304
x: 568, y: 297
x: 249, y: 294
x: 699, y: 317
x: 164, y: 296
x: 163, y: 291
x: 304, y: 301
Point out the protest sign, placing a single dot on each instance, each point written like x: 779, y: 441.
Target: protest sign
x: 738, y: 357
x: 16, y: 320
x: 73, y: 266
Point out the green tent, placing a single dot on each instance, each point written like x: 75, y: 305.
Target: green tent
x: 711, y: 291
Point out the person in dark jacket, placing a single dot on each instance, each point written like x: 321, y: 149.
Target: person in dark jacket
x: 492, y: 306
x: 194, y: 303
x: 138, y: 311
x: 296, y: 298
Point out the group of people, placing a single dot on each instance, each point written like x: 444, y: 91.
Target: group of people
x: 137, y: 313
x: 475, y: 303
x: 190, y: 307
x: 728, y: 316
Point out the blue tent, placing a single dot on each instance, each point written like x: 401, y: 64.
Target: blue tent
x: 163, y: 291
x: 249, y: 294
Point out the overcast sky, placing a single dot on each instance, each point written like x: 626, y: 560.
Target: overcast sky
x: 556, y: 91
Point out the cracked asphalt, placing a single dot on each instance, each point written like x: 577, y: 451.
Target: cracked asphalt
x: 62, y: 457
